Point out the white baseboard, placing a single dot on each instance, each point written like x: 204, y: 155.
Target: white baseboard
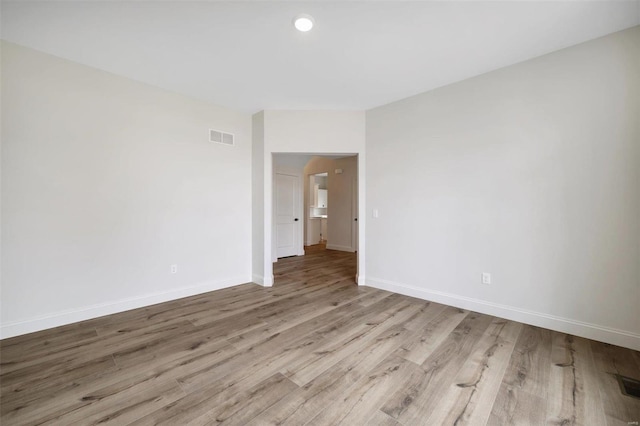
x: 259, y: 279
x: 268, y: 281
x: 341, y: 248
x: 17, y: 328
x: 565, y: 325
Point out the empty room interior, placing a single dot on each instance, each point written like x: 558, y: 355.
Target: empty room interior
x: 320, y: 213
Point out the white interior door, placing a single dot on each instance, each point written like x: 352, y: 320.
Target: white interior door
x: 287, y: 215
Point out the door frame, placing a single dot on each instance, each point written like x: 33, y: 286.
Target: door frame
x: 354, y: 213
x: 267, y: 279
x: 291, y: 171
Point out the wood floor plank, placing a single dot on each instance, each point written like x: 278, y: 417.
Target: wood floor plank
x: 469, y: 399
x: 305, y: 368
x: 324, y: 390
x: 195, y: 406
x: 590, y: 395
x: 338, y: 323
x: 79, y: 392
x: 268, y: 306
x: 380, y: 418
x: 432, y: 334
x: 15, y: 352
x: 563, y: 382
x: 366, y: 395
x: 181, y: 308
x: 93, y: 347
x: 421, y: 395
x: 216, y: 334
x: 279, y: 351
x: 522, y: 398
x: 13, y: 348
x: 314, y: 348
x: 247, y: 405
x: 610, y: 361
x: 310, y: 320
x: 52, y: 375
x: 570, y: 394
x: 229, y: 380
x: 121, y: 403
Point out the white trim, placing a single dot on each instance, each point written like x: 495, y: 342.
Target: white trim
x: 259, y: 279
x: 56, y: 319
x: 341, y: 248
x: 362, y: 219
x: 268, y: 281
x: 614, y: 336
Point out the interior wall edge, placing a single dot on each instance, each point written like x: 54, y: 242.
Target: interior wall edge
x: 257, y: 279
x: 600, y: 333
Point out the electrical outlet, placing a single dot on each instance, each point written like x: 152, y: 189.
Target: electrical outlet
x: 174, y: 269
x: 486, y: 278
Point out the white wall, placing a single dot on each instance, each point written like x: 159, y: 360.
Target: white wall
x: 257, y: 198
x: 531, y: 173
x: 106, y: 182
x: 308, y: 132
x: 295, y: 161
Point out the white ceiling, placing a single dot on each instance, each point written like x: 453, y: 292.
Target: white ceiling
x: 248, y: 56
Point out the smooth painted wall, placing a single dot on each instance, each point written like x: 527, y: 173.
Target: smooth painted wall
x: 530, y: 173
x: 257, y: 198
x: 106, y: 182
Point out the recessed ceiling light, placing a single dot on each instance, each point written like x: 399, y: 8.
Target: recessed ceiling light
x: 303, y: 22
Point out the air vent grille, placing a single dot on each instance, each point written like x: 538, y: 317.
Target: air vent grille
x: 629, y: 386
x: 218, y: 136
x: 227, y: 138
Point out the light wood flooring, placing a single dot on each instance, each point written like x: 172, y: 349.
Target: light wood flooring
x: 313, y: 350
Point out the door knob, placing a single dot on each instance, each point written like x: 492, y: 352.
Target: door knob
x: 356, y: 219
x: 296, y: 219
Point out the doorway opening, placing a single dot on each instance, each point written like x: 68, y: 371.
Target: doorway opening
x: 315, y: 204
